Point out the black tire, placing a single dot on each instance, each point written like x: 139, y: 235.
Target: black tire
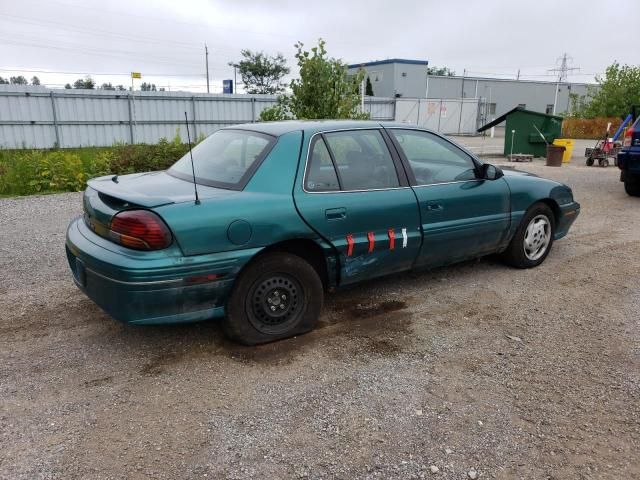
x: 281, y: 282
x: 515, y: 254
x: 632, y: 184
x: 604, y: 163
x: 589, y: 162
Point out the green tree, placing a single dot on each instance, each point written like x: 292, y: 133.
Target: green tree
x: 261, y: 73
x: 87, y: 83
x: 324, y: 89
x: 68, y: 86
x: 616, y: 92
x: 19, y: 80
x: 35, y: 80
x: 107, y: 86
x: 4, y: 81
x: 441, y: 71
x: 369, y: 88
x: 148, y: 87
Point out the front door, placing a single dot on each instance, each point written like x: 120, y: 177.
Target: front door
x: 355, y: 195
x: 462, y: 216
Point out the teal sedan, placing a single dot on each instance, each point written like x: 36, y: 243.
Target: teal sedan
x: 269, y: 216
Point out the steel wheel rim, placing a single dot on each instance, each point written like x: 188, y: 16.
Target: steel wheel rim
x: 274, y: 303
x: 537, y: 237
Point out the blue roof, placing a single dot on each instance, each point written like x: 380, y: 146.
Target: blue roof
x: 402, y: 61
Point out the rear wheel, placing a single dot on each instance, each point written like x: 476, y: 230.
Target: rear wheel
x: 632, y: 184
x: 533, y: 240
x: 279, y: 295
x: 604, y: 162
x: 589, y: 162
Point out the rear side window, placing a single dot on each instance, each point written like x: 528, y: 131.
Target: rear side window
x: 433, y: 159
x: 356, y: 160
x: 226, y: 159
x: 321, y: 175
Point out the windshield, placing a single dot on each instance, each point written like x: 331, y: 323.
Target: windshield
x: 226, y: 159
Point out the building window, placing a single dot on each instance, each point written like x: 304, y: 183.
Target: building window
x: 491, y: 108
x: 522, y: 105
x: 376, y: 76
x: 549, y: 109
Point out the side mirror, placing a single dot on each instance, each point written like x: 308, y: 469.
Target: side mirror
x: 490, y: 172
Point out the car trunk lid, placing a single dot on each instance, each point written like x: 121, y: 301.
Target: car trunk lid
x: 144, y: 189
x: 106, y: 196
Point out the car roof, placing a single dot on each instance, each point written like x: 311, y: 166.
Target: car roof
x: 314, y: 126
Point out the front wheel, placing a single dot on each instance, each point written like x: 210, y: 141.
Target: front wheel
x: 278, y: 295
x: 632, y: 184
x: 533, y: 240
x: 589, y: 162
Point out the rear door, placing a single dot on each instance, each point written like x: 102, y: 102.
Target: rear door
x: 355, y: 194
x: 462, y: 216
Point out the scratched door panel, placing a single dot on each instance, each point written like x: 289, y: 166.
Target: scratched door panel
x: 352, y: 196
x: 369, y: 238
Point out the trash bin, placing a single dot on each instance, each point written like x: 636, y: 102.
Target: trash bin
x: 554, y: 155
x: 568, y: 144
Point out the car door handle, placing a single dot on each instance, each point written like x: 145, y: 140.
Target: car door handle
x: 336, y: 213
x: 434, y: 207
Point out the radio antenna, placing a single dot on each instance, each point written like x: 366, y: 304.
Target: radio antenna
x: 193, y: 170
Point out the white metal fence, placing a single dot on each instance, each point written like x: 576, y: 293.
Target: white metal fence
x: 448, y: 116
x: 37, y: 117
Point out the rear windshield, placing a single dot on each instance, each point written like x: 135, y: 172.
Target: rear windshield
x: 226, y: 159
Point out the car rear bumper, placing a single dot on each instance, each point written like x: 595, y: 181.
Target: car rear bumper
x: 151, y: 288
x: 568, y: 215
x: 629, y: 160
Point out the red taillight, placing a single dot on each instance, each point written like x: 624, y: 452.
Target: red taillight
x: 627, y: 137
x: 140, y: 229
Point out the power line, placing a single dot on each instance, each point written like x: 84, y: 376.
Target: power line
x: 84, y: 51
x: 173, y: 20
x: 94, y: 32
x: 114, y: 74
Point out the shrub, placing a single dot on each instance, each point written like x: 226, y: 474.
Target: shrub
x: 25, y: 172
x: 589, y: 128
x: 38, y: 171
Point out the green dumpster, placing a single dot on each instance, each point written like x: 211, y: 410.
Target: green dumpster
x: 525, y: 138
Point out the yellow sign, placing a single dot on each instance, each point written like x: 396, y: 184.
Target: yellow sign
x: 136, y: 75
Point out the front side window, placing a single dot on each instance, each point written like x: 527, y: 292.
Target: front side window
x: 362, y: 159
x: 433, y: 159
x: 226, y: 159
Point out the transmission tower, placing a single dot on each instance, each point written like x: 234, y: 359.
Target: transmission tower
x: 563, y: 69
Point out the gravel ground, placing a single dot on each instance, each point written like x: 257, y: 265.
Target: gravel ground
x: 474, y: 371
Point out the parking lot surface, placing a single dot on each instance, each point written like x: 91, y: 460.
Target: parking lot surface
x: 477, y: 370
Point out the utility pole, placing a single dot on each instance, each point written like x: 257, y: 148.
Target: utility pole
x: 426, y: 93
x: 464, y: 74
x: 235, y: 80
x: 518, y: 77
x: 206, y: 61
x: 562, y: 72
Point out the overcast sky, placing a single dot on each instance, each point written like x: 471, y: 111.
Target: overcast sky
x: 164, y: 39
